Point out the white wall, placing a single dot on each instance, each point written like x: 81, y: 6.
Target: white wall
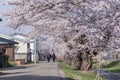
x: 32, y: 46
x: 22, y: 47
x: 21, y: 51
x: 32, y: 50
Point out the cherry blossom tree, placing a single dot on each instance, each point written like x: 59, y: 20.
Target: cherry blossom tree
x: 87, y: 27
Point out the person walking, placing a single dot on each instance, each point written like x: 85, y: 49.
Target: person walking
x: 48, y: 57
x: 53, y: 56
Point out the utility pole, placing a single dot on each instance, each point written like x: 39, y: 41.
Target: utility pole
x: 99, y: 61
x: 35, y: 46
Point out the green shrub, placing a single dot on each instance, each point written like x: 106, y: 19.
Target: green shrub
x: 10, y: 64
x: 4, y: 60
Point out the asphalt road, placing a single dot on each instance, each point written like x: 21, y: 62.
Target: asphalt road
x: 39, y: 71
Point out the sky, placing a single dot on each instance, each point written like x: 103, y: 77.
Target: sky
x: 5, y: 29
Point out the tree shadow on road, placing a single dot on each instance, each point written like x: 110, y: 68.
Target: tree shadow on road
x: 33, y: 77
x: 16, y: 67
x: 4, y: 73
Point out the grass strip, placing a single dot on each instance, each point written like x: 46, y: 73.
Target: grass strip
x: 113, y: 66
x: 72, y: 74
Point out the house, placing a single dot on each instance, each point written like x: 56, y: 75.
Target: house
x: 7, y: 47
x: 20, y: 48
x: 22, y: 51
x: 26, y: 48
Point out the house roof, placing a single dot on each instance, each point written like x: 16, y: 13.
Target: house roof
x: 16, y: 37
x: 6, y: 41
x: 20, y: 37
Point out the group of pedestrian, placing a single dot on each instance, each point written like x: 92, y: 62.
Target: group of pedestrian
x: 51, y: 56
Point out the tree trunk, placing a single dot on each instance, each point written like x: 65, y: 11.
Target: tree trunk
x: 82, y: 60
x: 68, y: 59
x: 76, y: 61
x: 86, y: 63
